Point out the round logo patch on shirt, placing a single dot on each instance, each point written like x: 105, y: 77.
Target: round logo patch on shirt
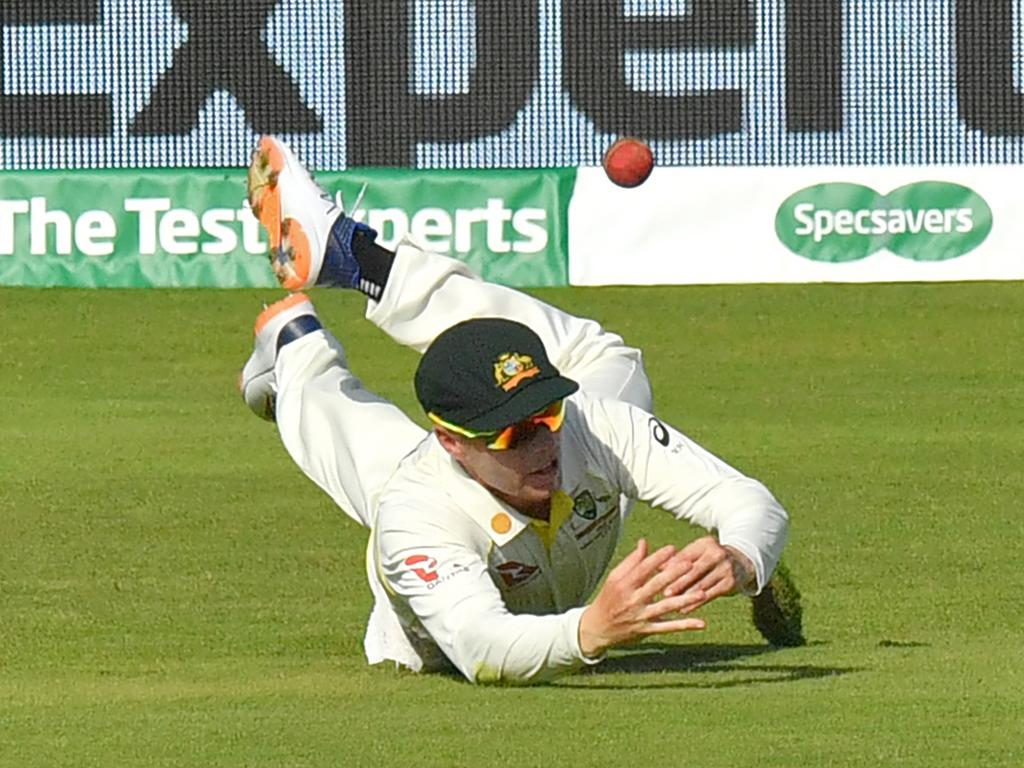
x: 501, y: 523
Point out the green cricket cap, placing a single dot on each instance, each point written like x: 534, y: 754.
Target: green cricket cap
x: 488, y: 373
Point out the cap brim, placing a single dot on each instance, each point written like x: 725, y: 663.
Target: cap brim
x: 528, y: 400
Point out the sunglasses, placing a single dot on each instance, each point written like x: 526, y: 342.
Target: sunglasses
x: 503, y: 439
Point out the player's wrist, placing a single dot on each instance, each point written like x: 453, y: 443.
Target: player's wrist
x: 590, y: 641
x: 743, y: 571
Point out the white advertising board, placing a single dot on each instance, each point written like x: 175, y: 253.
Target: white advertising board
x: 799, y: 225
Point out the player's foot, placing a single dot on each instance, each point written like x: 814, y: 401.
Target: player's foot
x: 310, y: 235
x: 280, y: 323
x: 776, y: 611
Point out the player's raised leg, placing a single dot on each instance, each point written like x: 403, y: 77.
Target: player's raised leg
x: 427, y: 293
x: 417, y: 294
x: 347, y: 439
x: 310, y: 236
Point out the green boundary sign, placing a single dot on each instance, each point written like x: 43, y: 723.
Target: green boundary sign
x: 192, y: 227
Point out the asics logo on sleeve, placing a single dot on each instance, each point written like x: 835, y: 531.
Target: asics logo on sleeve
x: 659, y: 432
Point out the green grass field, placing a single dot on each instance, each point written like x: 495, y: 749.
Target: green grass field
x: 173, y: 592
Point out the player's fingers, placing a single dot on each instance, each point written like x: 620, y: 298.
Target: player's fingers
x: 721, y: 589
x: 721, y: 581
x: 712, y: 558
x: 675, y: 560
x: 670, y: 571
x: 651, y: 564
x: 672, y: 625
x: 698, y: 547
x: 699, y: 570
x: 711, y: 555
x: 681, y: 604
x: 629, y: 562
x: 639, y: 552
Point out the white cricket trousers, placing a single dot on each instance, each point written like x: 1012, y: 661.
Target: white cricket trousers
x: 349, y: 440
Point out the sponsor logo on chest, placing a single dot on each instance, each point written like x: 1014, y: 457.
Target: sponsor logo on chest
x: 593, y: 516
x: 514, y: 573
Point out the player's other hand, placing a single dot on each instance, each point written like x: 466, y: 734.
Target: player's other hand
x: 716, y: 570
x: 627, y: 607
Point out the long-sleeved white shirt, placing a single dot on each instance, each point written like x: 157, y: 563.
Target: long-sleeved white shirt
x: 499, y: 595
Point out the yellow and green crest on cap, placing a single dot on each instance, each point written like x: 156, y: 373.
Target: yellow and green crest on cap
x: 511, y: 368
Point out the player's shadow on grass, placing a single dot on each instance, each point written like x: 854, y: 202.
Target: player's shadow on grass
x: 711, y: 665
x: 672, y: 657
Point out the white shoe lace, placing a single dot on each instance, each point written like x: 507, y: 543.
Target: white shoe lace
x: 340, y: 199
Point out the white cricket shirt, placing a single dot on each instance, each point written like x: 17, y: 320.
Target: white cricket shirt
x: 472, y: 580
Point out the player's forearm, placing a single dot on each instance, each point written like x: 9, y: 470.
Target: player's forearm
x: 518, y: 649
x: 658, y: 464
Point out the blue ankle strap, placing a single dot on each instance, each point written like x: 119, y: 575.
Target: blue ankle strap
x: 297, y: 328
x: 340, y: 267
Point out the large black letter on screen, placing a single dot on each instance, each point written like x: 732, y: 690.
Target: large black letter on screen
x: 597, y: 37
x: 385, y: 118
x: 52, y: 114
x: 226, y: 50
x: 984, y: 68
x: 814, y: 65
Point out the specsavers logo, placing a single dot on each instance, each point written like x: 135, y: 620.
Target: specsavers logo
x: 925, y: 221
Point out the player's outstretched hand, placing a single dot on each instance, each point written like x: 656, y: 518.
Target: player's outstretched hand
x: 716, y: 571
x: 627, y: 607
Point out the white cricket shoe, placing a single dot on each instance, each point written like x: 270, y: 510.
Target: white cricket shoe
x: 281, y: 322
x: 310, y: 236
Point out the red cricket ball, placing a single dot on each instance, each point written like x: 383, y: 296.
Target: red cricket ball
x: 628, y: 162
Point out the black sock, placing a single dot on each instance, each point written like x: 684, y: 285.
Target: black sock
x: 374, y: 264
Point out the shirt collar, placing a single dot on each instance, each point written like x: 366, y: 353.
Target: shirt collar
x: 499, y: 521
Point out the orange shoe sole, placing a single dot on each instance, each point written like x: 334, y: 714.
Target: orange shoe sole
x: 277, y: 308
x: 290, y: 254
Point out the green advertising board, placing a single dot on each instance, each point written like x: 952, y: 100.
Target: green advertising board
x: 193, y: 228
